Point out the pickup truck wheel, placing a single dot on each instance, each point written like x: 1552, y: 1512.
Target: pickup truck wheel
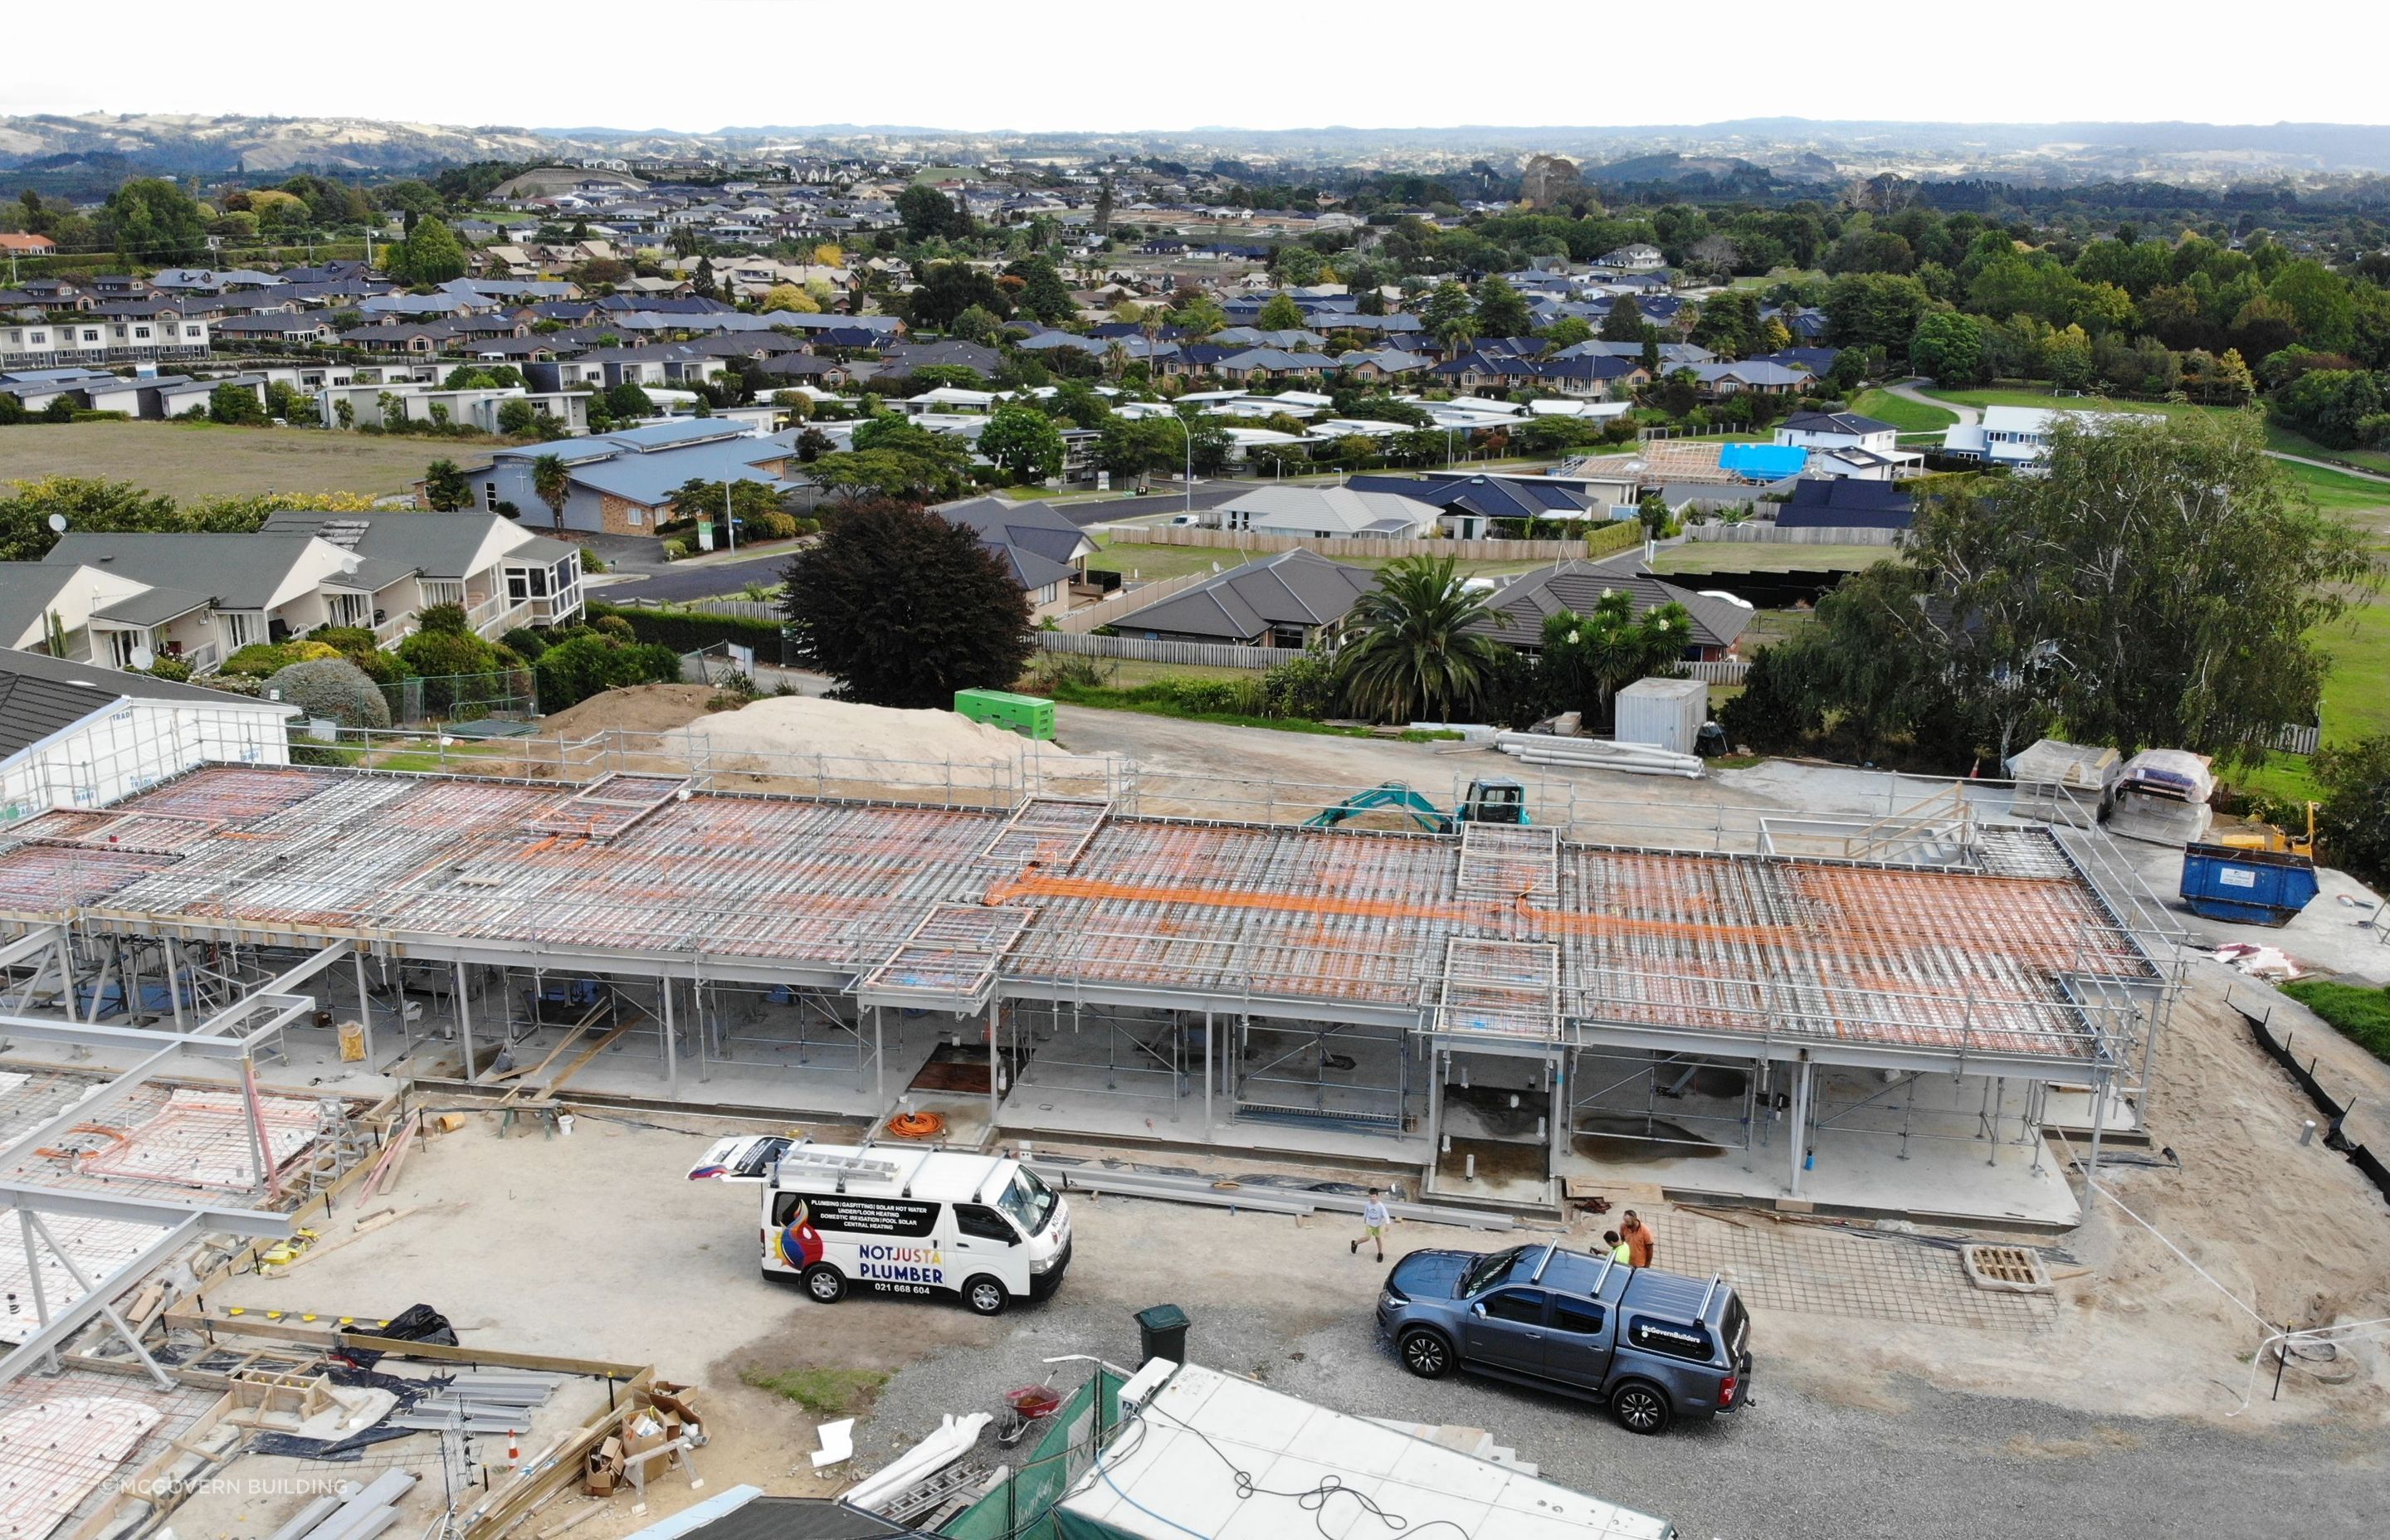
x: 825, y: 1283
x: 1641, y: 1407
x: 1426, y: 1355
x: 986, y: 1296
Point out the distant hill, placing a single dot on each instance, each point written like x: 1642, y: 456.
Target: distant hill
x: 1723, y: 156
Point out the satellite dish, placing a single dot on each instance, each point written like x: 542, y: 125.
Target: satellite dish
x: 58, y: 524
x: 143, y: 658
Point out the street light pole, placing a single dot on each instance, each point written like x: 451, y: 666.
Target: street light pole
x: 1189, y: 433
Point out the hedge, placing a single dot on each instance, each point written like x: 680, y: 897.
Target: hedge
x: 690, y: 631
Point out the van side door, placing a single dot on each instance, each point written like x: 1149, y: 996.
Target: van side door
x: 1577, y: 1342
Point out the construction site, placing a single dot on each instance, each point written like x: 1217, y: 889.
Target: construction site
x: 241, y: 997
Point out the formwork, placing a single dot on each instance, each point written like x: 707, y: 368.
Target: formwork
x: 1188, y: 933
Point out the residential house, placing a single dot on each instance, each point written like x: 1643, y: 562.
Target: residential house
x: 1639, y: 257
x: 502, y: 575
x: 1325, y: 513
x: 89, y: 340
x: 1717, y: 381
x: 278, y: 328
x: 623, y: 483
x: 75, y: 734
x: 1283, y: 601
x: 1471, y: 507
x: 1846, y: 444
x: 205, y: 597
x: 1521, y: 607
x: 1846, y: 502
x: 1044, y: 551
x: 2017, y: 437
x: 372, y: 405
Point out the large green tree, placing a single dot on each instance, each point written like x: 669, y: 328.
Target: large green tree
x: 2162, y: 585
x: 1023, y: 442
x: 1502, y: 311
x: 152, y: 223
x: 902, y: 608
x: 1416, y: 649
x: 1589, y: 659
x: 430, y: 254
x: 1043, y: 297
x: 1280, y: 313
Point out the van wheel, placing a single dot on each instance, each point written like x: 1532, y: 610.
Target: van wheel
x: 1640, y: 1407
x: 825, y: 1283
x: 986, y: 1296
x: 1426, y: 1355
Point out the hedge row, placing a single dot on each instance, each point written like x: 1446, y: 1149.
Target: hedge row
x: 685, y: 631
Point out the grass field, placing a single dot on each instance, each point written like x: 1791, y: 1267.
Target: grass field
x: 1909, y: 417
x: 2278, y: 437
x: 195, y: 460
x: 1718, y: 555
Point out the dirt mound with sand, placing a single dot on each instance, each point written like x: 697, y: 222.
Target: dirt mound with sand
x: 633, y: 708
x: 874, y: 743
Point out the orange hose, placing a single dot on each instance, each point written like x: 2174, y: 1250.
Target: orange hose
x: 916, y: 1125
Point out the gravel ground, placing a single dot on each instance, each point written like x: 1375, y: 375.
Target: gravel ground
x: 1915, y: 1463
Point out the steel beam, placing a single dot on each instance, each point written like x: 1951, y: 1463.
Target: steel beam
x: 92, y: 1036
x: 248, y: 1224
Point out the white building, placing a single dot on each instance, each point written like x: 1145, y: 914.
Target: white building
x: 74, y: 734
x: 1326, y: 513
x: 1845, y: 444
x: 2014, y: 436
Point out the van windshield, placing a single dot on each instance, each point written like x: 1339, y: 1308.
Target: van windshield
x: 1028, y: 1201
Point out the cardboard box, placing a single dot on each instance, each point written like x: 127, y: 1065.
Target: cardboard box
x: 604, y: 1471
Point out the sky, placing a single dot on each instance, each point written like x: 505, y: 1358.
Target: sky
x: 700, y: 65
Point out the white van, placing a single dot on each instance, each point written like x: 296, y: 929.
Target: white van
x: 899, y: 1220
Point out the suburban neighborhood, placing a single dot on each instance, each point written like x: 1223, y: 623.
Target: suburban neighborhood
x: 765, y: 833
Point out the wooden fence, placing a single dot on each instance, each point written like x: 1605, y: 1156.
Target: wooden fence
x: 1128, y: 601
x: 1138, y: 650
x: 1769, y: 534
x: 1727, y: 671
x: 1604, y: 541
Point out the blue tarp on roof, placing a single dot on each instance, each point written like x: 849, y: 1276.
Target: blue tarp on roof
x: 1762, y: 462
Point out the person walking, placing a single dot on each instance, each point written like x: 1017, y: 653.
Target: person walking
x: 1375, y: 1217
x: 1640, y: 1241
x: 1618, y: 1249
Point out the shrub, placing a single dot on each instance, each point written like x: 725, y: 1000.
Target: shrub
x: 614, y: 626
x: 686, y: 630
x: 442, y: 619
x: 357, y: 644
x: 771, y: 526
x: 524, y: 643
x: 332, y: 687
x: 1303, y: 686
x: 170, y: 668
x: 675, y: 549
x: 571, y: 671
x: 263, y: 658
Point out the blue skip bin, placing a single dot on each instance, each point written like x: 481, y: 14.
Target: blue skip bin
x: 2253, y: 887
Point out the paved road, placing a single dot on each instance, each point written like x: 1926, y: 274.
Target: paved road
x: 1906, y: 391
x: 697, y: 583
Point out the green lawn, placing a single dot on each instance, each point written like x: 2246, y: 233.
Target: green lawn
x: 2278, y: 437
x: 1909, y: 417
x: 194, y: 460
x: 2362, y: 1014
x: 1718, y: 555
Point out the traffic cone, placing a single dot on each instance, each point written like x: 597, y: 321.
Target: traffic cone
x: 514, y: 1452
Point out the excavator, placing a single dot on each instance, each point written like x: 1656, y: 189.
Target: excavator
x: 1491, y: 800
x: 2265, y: 837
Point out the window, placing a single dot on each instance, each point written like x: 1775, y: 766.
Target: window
x: 1670, y: 1338
x: 1577, y: 1317
x: 1524, y: 1305
x: 637, y: 516
x: 191, y: 331
x: 142, y: 332
x: 489, y: 495
x: 242, y: 627
x: 90, y: 334
x: 985, y: 1223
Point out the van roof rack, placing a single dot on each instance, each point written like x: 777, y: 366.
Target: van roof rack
x: 1708, y: 1294
x: 859, y: 1163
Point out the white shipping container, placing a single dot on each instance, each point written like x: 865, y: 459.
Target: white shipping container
x: 1668, y: 713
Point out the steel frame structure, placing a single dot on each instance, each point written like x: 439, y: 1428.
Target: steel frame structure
x: 2039, y: 962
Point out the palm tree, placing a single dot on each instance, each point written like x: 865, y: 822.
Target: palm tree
x: 1413, y: 654
x: 549, y: 479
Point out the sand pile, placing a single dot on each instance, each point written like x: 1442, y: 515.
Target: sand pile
x: 633, y: 708
x: 784, y: 736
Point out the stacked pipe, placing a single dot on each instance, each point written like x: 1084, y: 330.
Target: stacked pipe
x: 1597, y: 753
x: 355, y: 1513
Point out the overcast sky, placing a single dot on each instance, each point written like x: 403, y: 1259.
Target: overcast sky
x: 699, y: 65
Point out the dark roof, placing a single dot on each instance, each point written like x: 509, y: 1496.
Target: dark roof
x: 1847, y: 503
x: 797, y: 1518
x: 1036, y: 543
x: 1488, y: 496
x: 41, y: 695
x: 1577, y: 587
x: 1297, y: 587
x: 1835, y: 422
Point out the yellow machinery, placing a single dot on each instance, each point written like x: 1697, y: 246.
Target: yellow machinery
x: 2265, y: 837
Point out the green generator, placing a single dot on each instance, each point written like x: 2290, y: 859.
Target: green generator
x: 1029, y: 715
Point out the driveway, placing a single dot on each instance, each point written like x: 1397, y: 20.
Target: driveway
x: 1907, y: 389
x: 703, y: 581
